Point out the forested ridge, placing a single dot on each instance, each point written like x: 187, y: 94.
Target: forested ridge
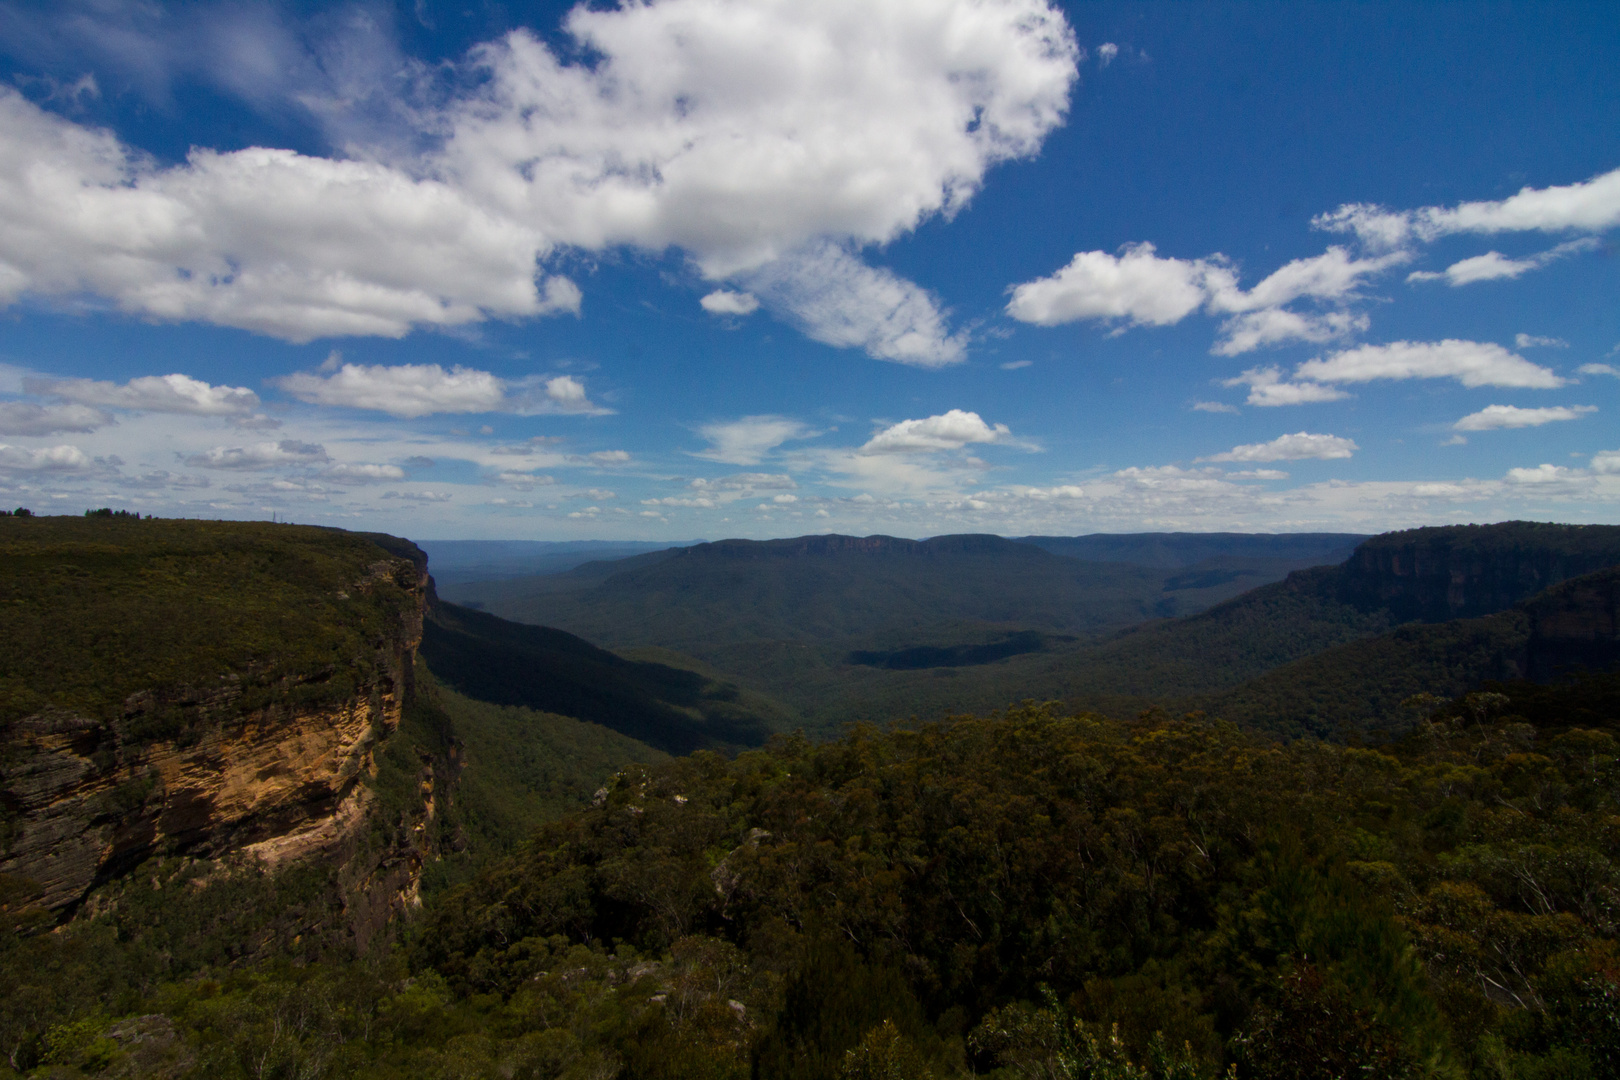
x: 1024, y: 895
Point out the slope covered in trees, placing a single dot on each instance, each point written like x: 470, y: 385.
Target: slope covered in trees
x: 1044, y: 895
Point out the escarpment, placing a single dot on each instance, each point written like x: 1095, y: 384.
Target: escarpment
x: 1466, y: 571
x: 201, y: 689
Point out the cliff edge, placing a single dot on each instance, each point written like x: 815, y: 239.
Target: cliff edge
x: 200, y: 689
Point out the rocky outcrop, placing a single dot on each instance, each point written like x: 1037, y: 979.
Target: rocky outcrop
x: 1467, y: 571
x: 87, y: 799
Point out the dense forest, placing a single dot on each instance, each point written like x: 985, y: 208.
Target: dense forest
x: 1024, y: 895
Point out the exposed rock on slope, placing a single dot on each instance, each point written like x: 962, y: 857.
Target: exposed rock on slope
x: 253, y: 742
x: 1465, y: 571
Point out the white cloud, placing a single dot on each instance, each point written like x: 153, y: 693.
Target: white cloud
x: 1214, y: 406
x: 1495, y: 417
x: 1599, y: 369
x: 1136, y: 286
x: 1016, y: 365
x: 1142, y: 289
x: 412, y: 390
x: 746, y: 483
x: 1299, y: 446
x: 746, y: 441
x: 1531, y: 341
x: 288, y: 245
x: 1589, y: 206
x: 726, y: 302
x: 1267, y: 388
x: 833, y: 297
x: 1333, y: 275
x: 952, y: 430
x: 260, y: 455
x: 736, y: 134
x: 1058, y: 491
x: 1606, y: 461
x: 151, y: 393
x: 23, y: 418
x: 699, y: 503
x: 1106, y: 53
x: 1472, y: 363
x: 44, y: 459
x: 1279, y: 326
x: 1494, y: 266
x: 362, y: 473
x: 1542, y: 474
x: 1259, y: 474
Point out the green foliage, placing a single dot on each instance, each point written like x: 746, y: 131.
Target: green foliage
x: 1033, y: 895
x: 96, y: 610
x: 518, y: 770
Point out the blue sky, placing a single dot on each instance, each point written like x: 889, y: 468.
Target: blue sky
x: 755, y: 268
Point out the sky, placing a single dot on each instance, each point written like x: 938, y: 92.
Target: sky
x: 679, y: 269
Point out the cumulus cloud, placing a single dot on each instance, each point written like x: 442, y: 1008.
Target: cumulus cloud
x: 1542, y: 475
x: 726, y: 302
x: 1589, y: 206
x: 1140, y: 288
x: 1495, y: 417
x: 1106, y: 53
x: 746, y: 441
x: 23, y: 418
x: 1136, y: 286
x: 45, y: 459
x: 833, y: 297
x: 1268, y: 388
x: 739, y: 134
x: 1606, y: 461
x: 1214, y: 406
x: 412, y: 390
x: 263, y: 455
x: 273, y: 241
x: 735, y: 135
x: 1299, y: 446
x: 1599, y: 369
x: 151, y: 393
x: 1472, y: 363
x: 952, y: 430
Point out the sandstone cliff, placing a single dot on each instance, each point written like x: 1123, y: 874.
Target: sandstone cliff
x: 1466, y: 571
x: 271, y: 766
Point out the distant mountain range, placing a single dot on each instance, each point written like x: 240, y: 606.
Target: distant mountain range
x: 838, y: 628
x: 871, y: 628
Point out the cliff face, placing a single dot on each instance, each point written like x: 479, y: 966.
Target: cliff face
x: 274, y: 771
x: 1466, y: 571
x: 1576, y: 625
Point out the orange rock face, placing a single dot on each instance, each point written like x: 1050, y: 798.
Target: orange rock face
x: 281, y: 782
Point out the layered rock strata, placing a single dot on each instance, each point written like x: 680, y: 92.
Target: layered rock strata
x: 87, y: 799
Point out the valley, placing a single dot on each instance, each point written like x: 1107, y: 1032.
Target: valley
x: 275, y: 801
